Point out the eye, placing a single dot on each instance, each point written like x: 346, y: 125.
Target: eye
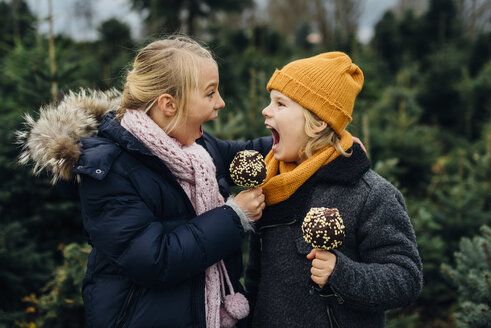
x: 211, y: 94
x: 280, y: 104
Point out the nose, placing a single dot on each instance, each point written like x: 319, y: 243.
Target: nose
x: 221, y: 103
x: 267, y: 111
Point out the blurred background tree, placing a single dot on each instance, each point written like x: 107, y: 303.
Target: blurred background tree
x: 424, y: 115
x: 472, y: 277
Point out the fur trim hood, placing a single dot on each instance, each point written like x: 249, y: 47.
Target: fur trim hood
x: 52, y: 141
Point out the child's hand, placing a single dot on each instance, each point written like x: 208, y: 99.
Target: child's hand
x: 251, y: 202
x: 322, y: 265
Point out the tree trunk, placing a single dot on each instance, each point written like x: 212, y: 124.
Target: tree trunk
x: 52, y: 58
x: 16, y: 32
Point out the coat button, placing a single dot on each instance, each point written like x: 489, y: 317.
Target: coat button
x: 98, y: 171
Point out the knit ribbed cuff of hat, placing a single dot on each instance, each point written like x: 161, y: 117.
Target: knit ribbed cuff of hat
x: 247, y: 223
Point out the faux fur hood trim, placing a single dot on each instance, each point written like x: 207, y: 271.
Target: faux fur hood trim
x: 52, y: 141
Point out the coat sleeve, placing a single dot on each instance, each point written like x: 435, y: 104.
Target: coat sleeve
x: 389, y: 273
x: 147, y: 248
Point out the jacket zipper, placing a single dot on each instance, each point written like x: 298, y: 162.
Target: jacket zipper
x: 122, y: 318
x: 333, y: 323
x: 339, y: 298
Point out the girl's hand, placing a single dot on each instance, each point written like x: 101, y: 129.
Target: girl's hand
x: 251, y: 202
x: 322, y: 265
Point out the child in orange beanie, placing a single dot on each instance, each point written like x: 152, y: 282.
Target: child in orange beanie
x: 314, y: 163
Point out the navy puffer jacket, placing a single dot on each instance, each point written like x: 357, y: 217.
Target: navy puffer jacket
x: 150, y: 249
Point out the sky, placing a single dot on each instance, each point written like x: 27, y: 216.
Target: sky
x: 66, y: 22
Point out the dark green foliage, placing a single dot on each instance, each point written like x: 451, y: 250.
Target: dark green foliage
x: 462, y: 193
x: 26, y: 266
x: 480, y: 110
x: 115, y: 39
x: 472, y: 277
x: 35, y: 217
x: 481, y: 53
x: 414, y: 44
x: 400, y: 319
x: 440, y: 23
x: 396, y: 136
x: 61, y: 304
x: 160, y: 14
x: 163, y: 17
x: 23, y: 266
x: 16, y: 25
x: 439, y: 92
x: 115, y: 49
x: 457, y: 205
x: 245, y: 64
x: 386, y: 41
x: 301, y: 34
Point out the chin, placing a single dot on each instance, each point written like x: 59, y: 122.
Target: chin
x: 213, y: 116
x: 278, y: 157
x: 286, y: 159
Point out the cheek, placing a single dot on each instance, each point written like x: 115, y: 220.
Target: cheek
x: 298, y: 127
x: 300, y: 135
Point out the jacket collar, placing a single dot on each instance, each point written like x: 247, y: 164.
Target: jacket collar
x: 98, y: 154
x: 110, y: 128
x: 345, y: 170
x: 341, y: 171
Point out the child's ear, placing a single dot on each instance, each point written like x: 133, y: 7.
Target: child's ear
x: 167, y: 105
x: 321, y: 127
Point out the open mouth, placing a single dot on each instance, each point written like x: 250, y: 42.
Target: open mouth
x: 276, y: 135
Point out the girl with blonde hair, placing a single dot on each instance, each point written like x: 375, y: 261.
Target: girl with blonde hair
x: 166, y: 245
x: 315, y: 164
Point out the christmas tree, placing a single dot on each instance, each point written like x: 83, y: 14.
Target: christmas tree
x: 471, y: 276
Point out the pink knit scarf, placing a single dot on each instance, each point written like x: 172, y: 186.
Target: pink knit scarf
x: 194, y: 169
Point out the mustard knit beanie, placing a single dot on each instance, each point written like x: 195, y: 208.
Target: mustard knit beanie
x: 326, y: 84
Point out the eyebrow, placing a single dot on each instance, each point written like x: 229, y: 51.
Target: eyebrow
x: 211, y: 84
x: 279, y: 97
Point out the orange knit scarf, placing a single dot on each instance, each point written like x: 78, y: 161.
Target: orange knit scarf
x: 283, y: 179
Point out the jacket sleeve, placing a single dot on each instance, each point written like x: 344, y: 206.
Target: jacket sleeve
x: 154, y: 252
x: 389, y: 273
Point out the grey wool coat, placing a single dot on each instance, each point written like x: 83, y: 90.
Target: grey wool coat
x: 378, y: 266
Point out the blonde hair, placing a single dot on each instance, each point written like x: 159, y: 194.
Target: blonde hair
x: 164, y: 66
x: 319, y: 140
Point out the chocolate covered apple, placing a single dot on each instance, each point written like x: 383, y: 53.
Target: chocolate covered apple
x: 248, y: 169
x: 323, y: 228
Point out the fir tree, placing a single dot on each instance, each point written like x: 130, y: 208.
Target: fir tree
x: 472, y: 277
x: 61, y: 303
